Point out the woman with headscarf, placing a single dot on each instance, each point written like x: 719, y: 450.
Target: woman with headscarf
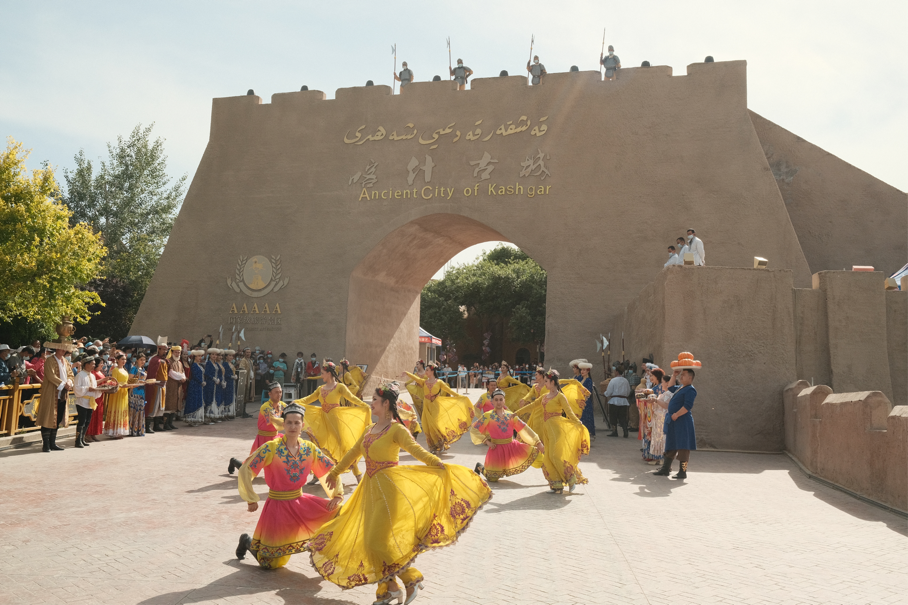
x: 289, y: 518
x: 116, y: 411
x: 341, y: 418
x: 506, y: 456
x: 565, y: 438
x: 446, y: 416
x: 397, y: 512
x: 137, y: 374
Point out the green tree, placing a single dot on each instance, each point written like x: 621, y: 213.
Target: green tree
x: 45, y: 260
x: 131, y: 202
x: 503, y: 291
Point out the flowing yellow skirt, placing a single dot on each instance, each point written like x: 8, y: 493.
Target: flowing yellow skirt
x: 392, y: 517
x: 416, y: 394
x: 445, y: 420
x: 513, y: 394
x: 565, y: 441
x: 337, y: 430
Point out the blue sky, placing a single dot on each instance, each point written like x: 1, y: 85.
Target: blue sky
x: 77, y: 74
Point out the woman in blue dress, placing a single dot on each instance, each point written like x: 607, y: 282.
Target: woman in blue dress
x: 212, y: 379
x: 680, y: 437
x: 229, y: 406
x: 137, y: 398
x: 582, y: 370
x: 194, y: 408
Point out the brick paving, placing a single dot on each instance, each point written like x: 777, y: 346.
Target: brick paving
x: 155, y: 520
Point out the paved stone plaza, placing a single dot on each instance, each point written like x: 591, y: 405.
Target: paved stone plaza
x: 155, y: 520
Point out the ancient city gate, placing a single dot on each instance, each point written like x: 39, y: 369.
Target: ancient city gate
x: 314, y: 224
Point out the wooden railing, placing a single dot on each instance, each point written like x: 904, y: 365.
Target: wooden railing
x: 16, y: 402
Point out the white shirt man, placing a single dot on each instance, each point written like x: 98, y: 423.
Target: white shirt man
x: 696, y: 246
x: 672, y: 258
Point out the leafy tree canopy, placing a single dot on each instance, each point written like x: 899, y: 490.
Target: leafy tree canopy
x: 131, y: 202
x: 504, y: 288
x: 45, y: 257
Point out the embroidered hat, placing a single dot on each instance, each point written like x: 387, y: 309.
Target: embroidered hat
x: 294, y: 408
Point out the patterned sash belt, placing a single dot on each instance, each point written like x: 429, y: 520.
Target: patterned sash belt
x: 273, y: 495
x: 267, y: 433
x: 502, y: 441
x: 546, y: 415
x: 373, y: 467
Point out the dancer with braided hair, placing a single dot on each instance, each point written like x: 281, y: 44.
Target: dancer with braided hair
x: 446, y: 416
x: 565, y: 438
x: 506, y: 456
x: 340, y: 420
x: 397, y: 512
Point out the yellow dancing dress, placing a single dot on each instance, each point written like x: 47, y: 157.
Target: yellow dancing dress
x: 565, y: 440
x: 334, y: 426
x: 395, y: 513
x: 354, y: 379
x: 514, y: 391
x: 446, y: 416
x: 116, y: 410
x: 415, y: 390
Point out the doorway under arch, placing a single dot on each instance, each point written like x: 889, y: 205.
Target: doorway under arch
x: 385, y: 288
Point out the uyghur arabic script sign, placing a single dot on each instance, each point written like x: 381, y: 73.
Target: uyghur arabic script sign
x: 522, y: 124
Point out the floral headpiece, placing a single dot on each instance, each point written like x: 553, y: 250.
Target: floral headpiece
x: 389, y: 391
x: 345, y: 363
x: 552, y: 374
x: 431, y: 364
x: 328, y: 365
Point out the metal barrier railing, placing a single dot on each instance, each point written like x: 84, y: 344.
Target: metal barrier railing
x: 22, y: 401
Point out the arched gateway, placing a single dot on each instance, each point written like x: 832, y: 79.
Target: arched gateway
x: 314, y: 224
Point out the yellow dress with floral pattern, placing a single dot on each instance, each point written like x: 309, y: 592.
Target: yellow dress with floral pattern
x: 334, y: 426
x: 446, y: 416
x: 564, y: 437
x: 395, y: 513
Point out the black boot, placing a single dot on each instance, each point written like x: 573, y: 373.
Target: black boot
x: 157, y: 425
x: 148, y: 428
x: 45, y: 439
x: 243, y: 546
x: 78, y: 442
x: 82, y: 436
x: 614, y: 432
x: 53, y: 441
x: 682, y: 474
x: 666, y: 469
x: 173, y: 417
x: 624, y: 428
x: 232, y: 466
x: 167, y: 422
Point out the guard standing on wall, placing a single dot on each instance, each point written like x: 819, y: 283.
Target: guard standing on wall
x: 537, y: 70
x: 461, y: 73
x: 405, y: 76
x: 611, y: 63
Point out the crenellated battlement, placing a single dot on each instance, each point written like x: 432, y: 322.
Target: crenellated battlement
x: 702, y: 75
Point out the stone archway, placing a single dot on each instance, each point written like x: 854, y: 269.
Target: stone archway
x: 385, y: 287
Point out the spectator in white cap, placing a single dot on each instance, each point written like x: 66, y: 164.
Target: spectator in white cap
x: 582, y: 370
x: 5, y: 377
